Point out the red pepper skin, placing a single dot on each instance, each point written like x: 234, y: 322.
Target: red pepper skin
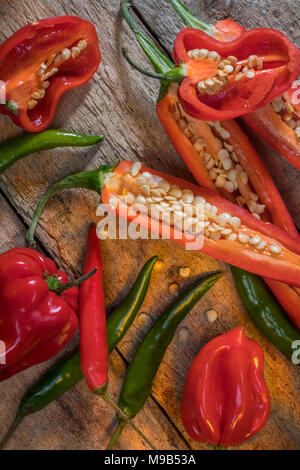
x: 92, y: 317
x: 35, y: 322
x: 228, y: 30
x: 22, y: 55
x: 286, y: 270
x: 243, y: 96
x: 225, y: 398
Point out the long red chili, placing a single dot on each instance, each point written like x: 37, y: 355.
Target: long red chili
x: 225, y: 398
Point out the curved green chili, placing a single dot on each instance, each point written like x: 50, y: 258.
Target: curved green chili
x: 67, y: 373
x: 265, y: 311
x: 144, y: 366
x: 19, y: 147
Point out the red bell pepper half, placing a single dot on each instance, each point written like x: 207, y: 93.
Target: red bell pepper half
x: 42, y: 61
x: 227, y: 80
x: 38, y: 310
x: 225, y: 398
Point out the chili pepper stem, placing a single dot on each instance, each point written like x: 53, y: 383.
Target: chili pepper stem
x: 11, y: 430
x: 220, y: 448
x: 176, y: 75
x: 189, y: 19
x: 116, y: 435
x: 58, y: 287
x: 102, y: 392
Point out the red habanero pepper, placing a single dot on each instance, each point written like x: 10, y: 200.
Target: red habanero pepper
x: 42, y: 61
x: 231, y: 233
x: 38, y: 309
x: 217, y: 90
x: 200, y: 144
x: 93, y: 346
x: 225, y: 398
x: 276, y: 123
x: 93, y: 335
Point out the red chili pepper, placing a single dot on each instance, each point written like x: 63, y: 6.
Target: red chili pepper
x: 93, y: 335
x: 38, y: 309
x: 217, y: 90
x: 42, y: 61
x: 225, y: 399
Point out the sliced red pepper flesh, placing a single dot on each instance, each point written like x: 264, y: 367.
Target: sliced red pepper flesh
x: 280, y: 66
x: 284, y: 266
x: 225, y: 398
x: 36, y: 322
x: 42, y: 61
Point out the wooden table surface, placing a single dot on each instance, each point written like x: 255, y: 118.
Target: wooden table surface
x: 120, y: 103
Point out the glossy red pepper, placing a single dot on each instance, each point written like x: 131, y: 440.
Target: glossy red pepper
x: 93, y: 335
x: 38, y: 316
x: 280, y: 66
x: 225, y: 398
x: 42, y: 61
x: 270, y: 122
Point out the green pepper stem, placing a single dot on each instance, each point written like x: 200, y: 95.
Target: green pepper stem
x: 102, y: 392
x: 176, y: 75
x: 92, y: 180
x: 189, y: 19
x: 161, y: 63
x: 116, y: 435
x: 11, y: 430
x: 58, y: 287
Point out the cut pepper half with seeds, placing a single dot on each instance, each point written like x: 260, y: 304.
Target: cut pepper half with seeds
x: 161, y: 203
x: 227, y: 80
x: 42, y: 61
x: 277, y: 123
x: 219, y: 154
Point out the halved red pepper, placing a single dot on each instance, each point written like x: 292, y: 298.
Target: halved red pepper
x: 225, y: 398
x: 273, y: 126
x: 260, y: 180
x: 240, y: 91
x: 42, y: 61
x: 256, y: 246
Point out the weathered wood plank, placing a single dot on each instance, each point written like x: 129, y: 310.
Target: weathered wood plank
x: 121, y: 103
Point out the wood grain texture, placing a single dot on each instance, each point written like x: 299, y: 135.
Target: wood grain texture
x: 120, y: 103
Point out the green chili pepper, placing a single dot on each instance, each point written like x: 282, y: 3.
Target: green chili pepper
x: 67, y: 373
x: 14, y: 149
x: 265, y: 311
x: 144, y: 366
